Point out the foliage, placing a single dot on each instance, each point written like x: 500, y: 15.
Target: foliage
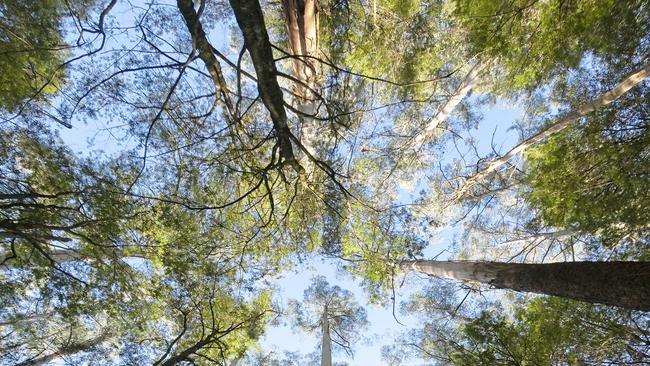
x: 32, y: 48
x: 322, y: 302
x: 534, y: 41
x: 551, y: 331
x: 166, y: 249
x: 401, y: 41
x: 543, y: 331
x: 593, y: 178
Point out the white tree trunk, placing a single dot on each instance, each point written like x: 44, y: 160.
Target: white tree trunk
x: 461, y: 271
x: 326, y: 346
x: 308, y: 135
x: 70, y: 255
x: 67, y: 350
x: 604, y: 99
x: 454, y: 100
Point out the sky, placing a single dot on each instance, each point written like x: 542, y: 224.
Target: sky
x: 94, y: 138
x: 383, y: 329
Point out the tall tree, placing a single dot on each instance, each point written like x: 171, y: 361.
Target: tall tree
x: 543, y: 331
x: 332, y: 311
x: 591, y: 178
x: 565, y: 121
x: 623, y: 284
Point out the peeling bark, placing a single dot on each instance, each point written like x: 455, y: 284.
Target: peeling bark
x: 302, y: 22
x: 301, y: 19
x: 603, y: 100
x: 623, y: 284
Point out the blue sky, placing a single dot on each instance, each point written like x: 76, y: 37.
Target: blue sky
x: 383, y: 329
x: 97, y: 139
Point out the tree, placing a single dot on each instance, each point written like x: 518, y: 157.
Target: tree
x: 592, y: 177
x: 543, y: 331
x: 538, y: 41
x: 567, y: 120
x: 621, y: 284
x: 334, y: 312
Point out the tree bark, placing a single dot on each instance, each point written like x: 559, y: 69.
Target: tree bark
x: 301, y: 20
x: 326, y: 346
x: 251, y: 22
x: 200, y: 41
x: 623, y: 284
x: 454, y: 100
x: 604, y: 99
x: 70, y: 349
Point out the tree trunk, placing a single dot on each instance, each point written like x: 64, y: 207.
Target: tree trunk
x: 604, y: 99
x: 454, y: 100
x: 68, y: 350
x: 326, y: 346
x: 251, y: 22
x: 623, y: 284
x: 200, y: 41
x: 59, y: 256
x: 301, y: 20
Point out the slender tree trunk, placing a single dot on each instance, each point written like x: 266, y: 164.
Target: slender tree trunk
x: 454, y: 100
x: 68, y: 350
x: 326, y: 346
x: 69, y: 255
x: 603, y: 100
x: 623, y: 284
x: 200, y: 41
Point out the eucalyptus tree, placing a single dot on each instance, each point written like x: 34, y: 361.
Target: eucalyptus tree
x: 378, y: 249
x: 603, y: 168
x: 565, y: 121
x: 544, y: 331
x: 333, y: 312
x: 542, y: 45
x: 568, y: 65
x: 33, y: 48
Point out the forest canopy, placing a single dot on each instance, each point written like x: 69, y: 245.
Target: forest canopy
x: 173, y: 171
